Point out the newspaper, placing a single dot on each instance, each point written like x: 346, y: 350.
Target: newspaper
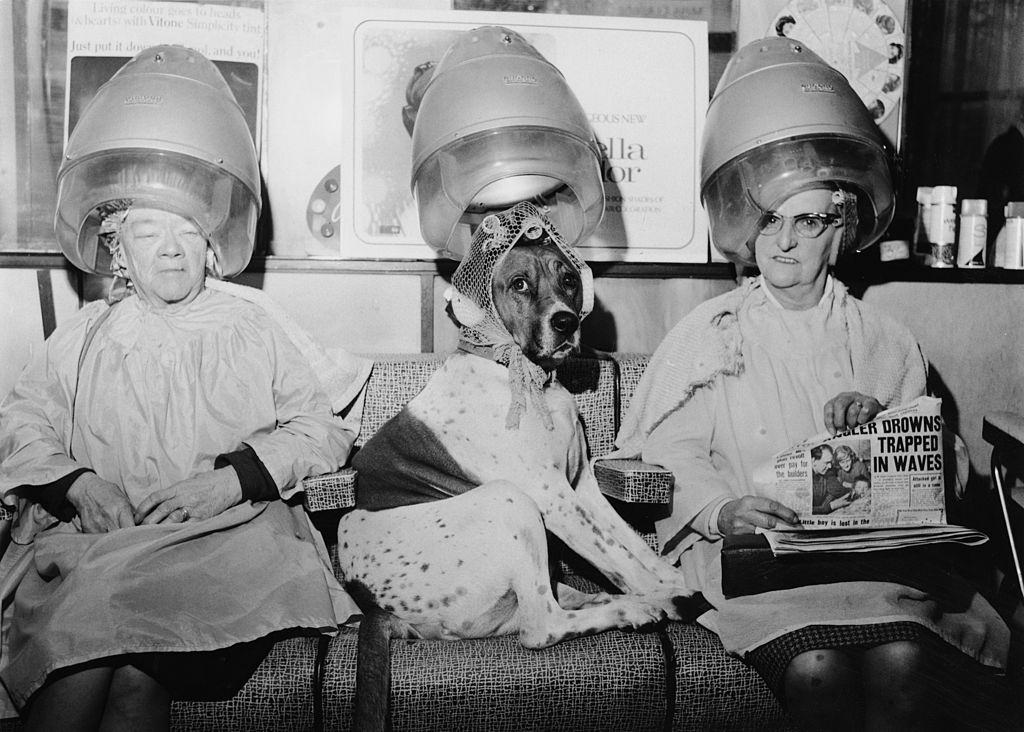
x: 870, y: 540
x: 870, y: 485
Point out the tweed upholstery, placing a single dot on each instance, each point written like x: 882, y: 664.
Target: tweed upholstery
x: 394, y: 380
x: 397, y: 378
x: 591, y: 381
x: 716, y: 691
x: 331, y: 491
x: 612, y: 681
x: 278, y: 696
x: 631, y: 368
x: 634, y: 481
x: 338, y: 690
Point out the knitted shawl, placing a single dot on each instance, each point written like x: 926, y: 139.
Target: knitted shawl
x: 887, y: 360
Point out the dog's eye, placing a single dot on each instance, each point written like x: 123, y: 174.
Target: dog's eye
x: 519, y: 284
x: 570, y: 281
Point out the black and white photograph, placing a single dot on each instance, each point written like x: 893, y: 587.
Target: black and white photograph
x: 511, y: 365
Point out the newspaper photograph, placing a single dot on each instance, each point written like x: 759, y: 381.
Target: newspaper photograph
x: 882, y: 474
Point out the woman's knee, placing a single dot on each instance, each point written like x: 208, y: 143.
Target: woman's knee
x: 819, y: 671
x: 896, y: 674
x: 895, y: 664
x: 822, y: 690
x: 133, y: 692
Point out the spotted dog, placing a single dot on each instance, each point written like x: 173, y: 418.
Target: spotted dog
x: 476, y: 563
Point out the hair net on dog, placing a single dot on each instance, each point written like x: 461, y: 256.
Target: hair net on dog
x: 473, y: 306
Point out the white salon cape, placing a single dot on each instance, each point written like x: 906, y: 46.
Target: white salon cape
x: 741, y: 379
x: 156, y: 397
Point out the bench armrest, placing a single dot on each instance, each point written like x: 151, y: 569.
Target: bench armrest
x: 630, y: 481
x: 330, y: 491
x: 634, y: 481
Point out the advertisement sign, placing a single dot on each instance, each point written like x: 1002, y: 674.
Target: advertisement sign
x: 641, y: 82
x: 104, y: 35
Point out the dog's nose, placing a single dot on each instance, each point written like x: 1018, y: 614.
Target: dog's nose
x: 564, y: 322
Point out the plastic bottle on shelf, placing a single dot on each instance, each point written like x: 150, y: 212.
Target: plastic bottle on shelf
x: 942, y: 230
x: 1009, y: 249
x: 922, y: 242
x: 970, y: 246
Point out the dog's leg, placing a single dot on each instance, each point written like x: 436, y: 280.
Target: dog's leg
x: 541, y: 620
x: 591, y: 527
x: 588, y: 494
x: 572, y: 599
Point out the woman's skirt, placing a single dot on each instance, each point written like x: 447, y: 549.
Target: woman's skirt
x: 203, y: 586
x: 962, y: 632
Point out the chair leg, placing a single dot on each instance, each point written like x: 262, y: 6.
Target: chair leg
x: 997, y: 477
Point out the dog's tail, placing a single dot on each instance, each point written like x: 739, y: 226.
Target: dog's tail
x: 372, y: 709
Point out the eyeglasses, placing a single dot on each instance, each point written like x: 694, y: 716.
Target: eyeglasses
x: 806, y: 225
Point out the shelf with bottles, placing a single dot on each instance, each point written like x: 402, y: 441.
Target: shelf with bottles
x: 867, y: 268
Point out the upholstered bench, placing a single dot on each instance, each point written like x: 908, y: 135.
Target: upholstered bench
x: 677, y: 677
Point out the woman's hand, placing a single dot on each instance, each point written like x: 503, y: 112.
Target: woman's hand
x: 199, y: 497
x: 850, y: 409
x: 745, y: 515
x: 101, y: 505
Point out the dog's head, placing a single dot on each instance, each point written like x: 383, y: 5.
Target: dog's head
x: 538, y: 295
x: 521, y: 286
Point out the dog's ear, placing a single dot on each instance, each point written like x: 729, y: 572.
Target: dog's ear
x: 467, y: 312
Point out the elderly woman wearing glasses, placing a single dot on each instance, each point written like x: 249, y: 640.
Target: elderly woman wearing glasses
x: 787, y: 355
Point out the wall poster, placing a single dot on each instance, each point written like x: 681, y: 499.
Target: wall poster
x: 648, y: 132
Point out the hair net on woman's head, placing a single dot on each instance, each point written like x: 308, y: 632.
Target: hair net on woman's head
x: 783, y: 121
x: 111, y: 216
x: 165, y: 132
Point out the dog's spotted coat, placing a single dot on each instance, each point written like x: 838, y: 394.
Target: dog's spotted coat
x: 475, y: 564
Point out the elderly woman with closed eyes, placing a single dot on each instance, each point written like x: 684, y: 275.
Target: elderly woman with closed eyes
x: 155, y: 446
x: 788, y: 354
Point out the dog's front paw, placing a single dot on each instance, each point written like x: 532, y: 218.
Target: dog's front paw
x: 684, y: 608
x: 638, y: 613
x: 687, y: 609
